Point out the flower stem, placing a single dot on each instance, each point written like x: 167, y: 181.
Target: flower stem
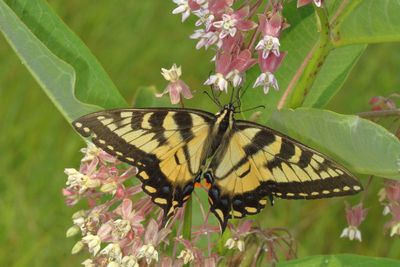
x: 321, y: 51
x: 187, y: 220
x: 380, y: 113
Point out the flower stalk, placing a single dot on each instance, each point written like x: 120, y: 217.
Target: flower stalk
x: 315, y: 62
x: 187, y: 220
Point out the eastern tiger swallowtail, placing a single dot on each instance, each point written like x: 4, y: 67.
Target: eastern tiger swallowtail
x: 243, y: 162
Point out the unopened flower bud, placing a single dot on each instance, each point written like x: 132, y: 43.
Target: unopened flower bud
x: 108, y: 187
x: 73, y: 230
x: 77, y: 247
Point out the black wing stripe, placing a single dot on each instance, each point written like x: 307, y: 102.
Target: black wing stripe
x: 305, y: 158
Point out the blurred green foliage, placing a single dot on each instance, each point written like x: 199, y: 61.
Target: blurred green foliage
x: 36, y: 143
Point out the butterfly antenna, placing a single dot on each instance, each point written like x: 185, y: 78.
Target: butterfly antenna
x: 233, y: 91
x: 213, y: 99
x: 245, y: 89
x: 260, y: 106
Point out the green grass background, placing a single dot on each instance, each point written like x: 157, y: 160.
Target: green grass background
x: 133, y: 40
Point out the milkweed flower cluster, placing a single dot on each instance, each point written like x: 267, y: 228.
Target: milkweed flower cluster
x: 355, y: 216
x: 122, y: 227
x: 389, y: 196
x: 241, y: 37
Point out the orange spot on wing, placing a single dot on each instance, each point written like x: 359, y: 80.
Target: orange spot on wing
x: 207, y: 184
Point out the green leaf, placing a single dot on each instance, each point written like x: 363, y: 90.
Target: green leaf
x: 333, y: 73
x: 370, y: 21
x: 38, y: 34
x: 56, y: 77
x: 347, y: 260
x: 361, y: 145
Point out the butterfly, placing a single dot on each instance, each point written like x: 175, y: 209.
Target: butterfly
x: 242, y: 162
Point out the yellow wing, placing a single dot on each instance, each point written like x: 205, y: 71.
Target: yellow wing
x: 256, y: 162
x: 168, y: 146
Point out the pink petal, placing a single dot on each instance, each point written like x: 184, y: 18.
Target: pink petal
x: 217, y: 6
x: 245, y: 227
x: 275, y: 24
x: 104, y: 231
x: 210, y: 262
x: 120, y: 192
x: 167, y: 262
x: 185, y: 90
x: 126, y: 208
x: 246, y: 25
x: 243, y: 61
x: 223, y: 63
x: 162, y: 234
x: 150, y: 237
x: 229, y: 43
x: 262, y: 20
x: 229, y: 2
x: 271, y: 63
x: 241, y: 13
x: 356, y: 214
x: 174, y: 93
x: 193, y: 5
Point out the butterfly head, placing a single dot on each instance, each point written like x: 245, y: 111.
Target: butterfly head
x: 229, y: 107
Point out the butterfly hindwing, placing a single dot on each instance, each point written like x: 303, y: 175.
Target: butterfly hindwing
x: 257, y: 162
x: 168, y: 146
x: 248, y: 162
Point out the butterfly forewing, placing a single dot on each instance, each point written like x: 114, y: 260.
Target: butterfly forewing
x: 168, y: 146
x: 255, y: 162
x: 249, y: 162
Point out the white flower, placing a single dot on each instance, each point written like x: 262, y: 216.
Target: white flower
x: 206, y: 18
x: 268, y: 44
x: 88, y: 263
x: 183, y: 7
x: 266, y: 79
x: 93, y: 242
x: 120, y: 228
x: 91, y: 152
x: 80, y: 180
x: 112, y: 252
x: 233, y: 242
x: 173, y: 74
x: 227, y: 26
x: 186, y: 255
x: 129, y: 261
x: 386, y: 210
x: 236, y: 77
x: 219, y: 81
x: 206, y: 38
x: 352, y: 233
x: 113, y: 264
x: 395, y: 229
x: 148, y: 252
